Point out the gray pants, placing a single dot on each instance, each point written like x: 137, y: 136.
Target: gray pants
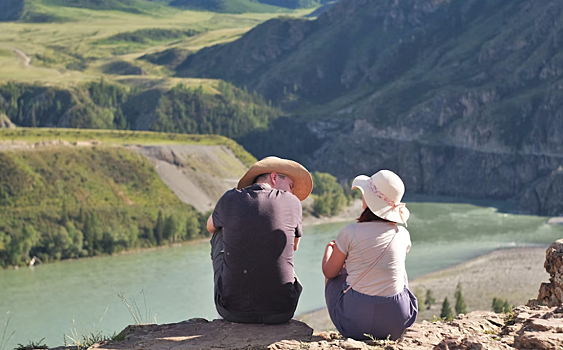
x: 355, y: 314
x: 217, y: 255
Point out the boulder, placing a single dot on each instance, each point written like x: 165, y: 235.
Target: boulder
x: 551, y: 294
x: 201, y: 334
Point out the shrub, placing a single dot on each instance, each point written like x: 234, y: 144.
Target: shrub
x: 460, y: 307
x: 429, y: 300
x: 446, y: 313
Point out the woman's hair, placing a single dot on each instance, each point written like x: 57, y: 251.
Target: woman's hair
x: 368, y: 215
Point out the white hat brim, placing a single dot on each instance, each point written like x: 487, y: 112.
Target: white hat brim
x: 377, y: 205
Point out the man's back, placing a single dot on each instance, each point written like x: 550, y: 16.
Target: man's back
x: 259, y: 226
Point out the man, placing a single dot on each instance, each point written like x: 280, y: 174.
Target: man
x: 256, y: 228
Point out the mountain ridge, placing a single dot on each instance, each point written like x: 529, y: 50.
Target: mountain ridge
x: 477, y: 79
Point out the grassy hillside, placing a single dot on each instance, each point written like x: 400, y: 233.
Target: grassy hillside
x: 226, y: 110
x: 60, y: 203
x: 68, y: 45
x: 226, y: 6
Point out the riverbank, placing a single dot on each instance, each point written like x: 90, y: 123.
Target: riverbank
x: 555, y: 221
x: 350, y: 213
x: 511, y: 274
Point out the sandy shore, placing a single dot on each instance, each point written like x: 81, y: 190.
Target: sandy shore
x: 555, y: 221
x: 512, y: 274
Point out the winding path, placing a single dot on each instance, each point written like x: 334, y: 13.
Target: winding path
x: 26, y: 58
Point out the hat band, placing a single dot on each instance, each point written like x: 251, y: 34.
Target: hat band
x: 388, y: 201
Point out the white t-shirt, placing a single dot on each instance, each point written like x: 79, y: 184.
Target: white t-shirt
x: 363, y: 243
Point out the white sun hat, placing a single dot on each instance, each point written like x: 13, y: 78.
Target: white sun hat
x: 383, y: 193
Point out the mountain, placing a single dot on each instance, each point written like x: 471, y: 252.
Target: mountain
x: 11, y: 10
x: 460, y: 97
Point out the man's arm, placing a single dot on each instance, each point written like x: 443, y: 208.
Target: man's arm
x: 210, y: 226
x: 295, y: 243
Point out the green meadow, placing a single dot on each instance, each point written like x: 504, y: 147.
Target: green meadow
x: 81, y: 44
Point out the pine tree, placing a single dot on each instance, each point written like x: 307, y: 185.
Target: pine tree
x: 446, y: 310
x: 88, y: 232
x: 429, y: 299
x: 64, y: 215
x: 159, y: 228
x: 506, y: 308
x: 169, y: 229
x: 81, y: 218
x: 460, y: 307
x: 192, y: 227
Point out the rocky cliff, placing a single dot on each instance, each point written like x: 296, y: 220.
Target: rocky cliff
x: 6, y: 123
x: 461, y: 97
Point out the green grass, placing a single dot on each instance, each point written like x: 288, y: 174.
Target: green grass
x: 149, y: 35
x: 77, y: 50
x: 227, y: 6
x: 120, y: 137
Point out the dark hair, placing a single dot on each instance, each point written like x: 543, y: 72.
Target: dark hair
x: 368, y: 215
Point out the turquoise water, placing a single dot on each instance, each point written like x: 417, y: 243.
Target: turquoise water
x: 175, y: 283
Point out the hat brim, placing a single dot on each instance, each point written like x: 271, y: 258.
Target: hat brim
x: 377, y: 205
x: 303, y: 182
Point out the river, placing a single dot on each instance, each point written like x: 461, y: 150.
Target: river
x: 175, y: 283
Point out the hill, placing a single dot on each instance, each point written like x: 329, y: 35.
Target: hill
x: 61, y: 200
x: 457, y: 97
x: 227, y: 111
x: 44, y: 11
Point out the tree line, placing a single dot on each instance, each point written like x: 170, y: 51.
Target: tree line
x: 232, y: 112
x: 70, y: 234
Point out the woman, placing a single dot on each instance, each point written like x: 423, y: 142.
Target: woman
x: 370, y: 297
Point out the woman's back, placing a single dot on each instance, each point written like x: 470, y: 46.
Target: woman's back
x: 364, y: 243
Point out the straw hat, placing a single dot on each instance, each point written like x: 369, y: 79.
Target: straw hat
x: 383, y: 193
x: 301, y: 177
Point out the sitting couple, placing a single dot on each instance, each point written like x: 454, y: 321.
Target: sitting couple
x: 257, y: 227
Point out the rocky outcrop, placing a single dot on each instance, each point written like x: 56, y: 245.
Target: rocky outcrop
x: 201, y: 334
x: 6, y: 123
x: 544, y: 195
x: 198, y: 175
x: 538, y: 328
x: 551, y: 294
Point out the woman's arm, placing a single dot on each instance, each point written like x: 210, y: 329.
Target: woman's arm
x: 333, y: 260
